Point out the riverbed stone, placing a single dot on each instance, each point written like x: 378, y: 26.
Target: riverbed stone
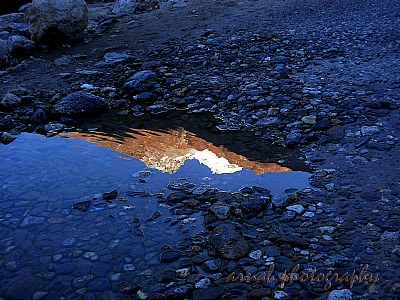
x: 228, y: 242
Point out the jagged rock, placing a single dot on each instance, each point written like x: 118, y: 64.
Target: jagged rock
x: 228, y: 242
x: 57, y: 21
x: 80, y: 103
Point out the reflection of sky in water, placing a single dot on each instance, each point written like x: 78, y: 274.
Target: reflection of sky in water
x: 74, y: 160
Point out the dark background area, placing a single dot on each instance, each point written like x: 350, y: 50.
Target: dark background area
x: 10, y: 6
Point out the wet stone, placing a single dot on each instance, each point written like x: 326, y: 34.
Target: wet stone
x: 221, y: 210
x: 211, y: 266
x: 69, y: 242
x: 170, y: 256
x: 30, y: 220
x: 154, y: 216
x: 131, y: 289
x: 115, y: 277
x: 82, y: 281
x: 129, y: 267
x: 182, y: 273
x: 281, y: 295
x: 65, y: 268
x: 82, y: 206
x: 99, y: 285
x: 180, y: 292
x: 101, y: 269
x: 110, y: 195
x: 256, y: 255
x: 228, y: 242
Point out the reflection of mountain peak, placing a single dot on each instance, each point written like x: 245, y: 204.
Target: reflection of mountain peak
x: 168, y: 150
x: 217, y: 165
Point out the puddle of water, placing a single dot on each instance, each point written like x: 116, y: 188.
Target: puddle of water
x: 46, y: 245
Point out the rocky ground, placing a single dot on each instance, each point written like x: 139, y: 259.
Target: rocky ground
x: 321, y: 76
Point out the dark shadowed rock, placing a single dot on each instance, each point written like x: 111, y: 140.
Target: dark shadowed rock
x: 4, y: 53
x: 322, y: 125
x: 20, y: 45
x: 39, y: 116
x: 170, y: 256
x: 10, y: 100
x: 254, y: 204
x: 211, y: 293
x: 80, y: 103
x: 228, y: 242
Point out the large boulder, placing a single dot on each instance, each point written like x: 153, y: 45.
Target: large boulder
x: 57, y: 21
x: 80, y: 103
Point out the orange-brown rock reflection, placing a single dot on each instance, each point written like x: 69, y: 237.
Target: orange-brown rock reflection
x: 167, y: 150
